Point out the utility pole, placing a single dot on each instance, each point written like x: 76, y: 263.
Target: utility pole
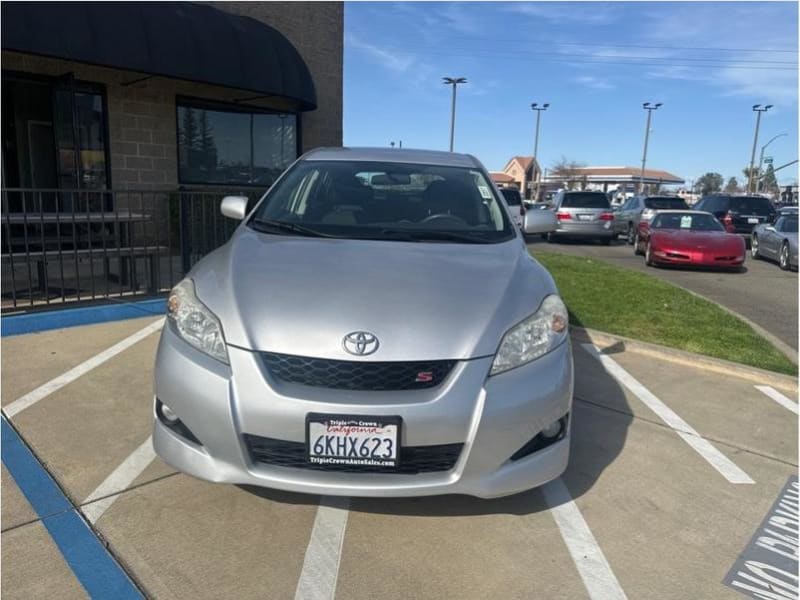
x: 534, y: 171
x: 758, y: 109
x: 761, y: 159
x: 454, y: 81
x: 649, y: 108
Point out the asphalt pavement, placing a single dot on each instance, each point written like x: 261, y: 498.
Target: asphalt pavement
x: 762, y: 293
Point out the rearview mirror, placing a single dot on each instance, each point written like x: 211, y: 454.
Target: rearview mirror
x: 540, y: 221
x: 234, y: 207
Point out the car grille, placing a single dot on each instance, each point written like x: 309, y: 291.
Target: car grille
x: 357, y: 375
x: 413, y: 459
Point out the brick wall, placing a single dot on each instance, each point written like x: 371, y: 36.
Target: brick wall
x: 141, y: 116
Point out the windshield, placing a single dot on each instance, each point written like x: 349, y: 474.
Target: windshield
x: 387, y: 201
x: 665, y: 203
x: 585, y: 200
x: 687, y: 222
x: 512, y: 196
x: 751, y: 205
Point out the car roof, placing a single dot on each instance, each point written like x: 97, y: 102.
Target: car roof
x: 394, y: 155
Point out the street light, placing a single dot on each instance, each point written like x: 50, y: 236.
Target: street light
x: 535, y: 106
x: 649, y: 108
x: 758, y: 109
x: 761, y: 159
x: 454, y: 81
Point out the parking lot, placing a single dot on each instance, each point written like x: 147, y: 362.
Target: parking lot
x: 672, y: 471
x: 762, y: 293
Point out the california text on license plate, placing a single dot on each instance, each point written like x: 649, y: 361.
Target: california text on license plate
x: 352, y: 440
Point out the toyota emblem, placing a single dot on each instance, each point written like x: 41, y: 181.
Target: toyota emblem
x: 360, y: 343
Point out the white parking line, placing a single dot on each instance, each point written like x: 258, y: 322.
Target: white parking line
x: 321, y: 565
x: 53, y: 385
x: 704, y: 448
x: 119, y: 479
x: 778, y: 397
x: 597, y: 576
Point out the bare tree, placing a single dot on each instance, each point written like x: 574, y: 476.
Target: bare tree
x: 568, y: 171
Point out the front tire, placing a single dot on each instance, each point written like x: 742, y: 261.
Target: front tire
x: 754, y: 248
x: 636, y: 249
x: 631, y: 237
x: 648, y: 256
x: 783, y: 258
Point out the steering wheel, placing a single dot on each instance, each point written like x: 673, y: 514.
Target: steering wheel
x: 444, y: 217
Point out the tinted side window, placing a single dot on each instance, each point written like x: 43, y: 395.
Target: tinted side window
x: 712, y: 204
x: 585, y: 200
x: 513, y: 197
x: 665, y: 203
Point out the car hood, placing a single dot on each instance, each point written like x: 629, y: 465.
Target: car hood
x: 693, y: 239
x: 423, y: 301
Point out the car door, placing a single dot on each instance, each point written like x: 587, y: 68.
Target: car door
x: 769, y: 242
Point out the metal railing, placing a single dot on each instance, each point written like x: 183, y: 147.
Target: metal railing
x: 61, y: 247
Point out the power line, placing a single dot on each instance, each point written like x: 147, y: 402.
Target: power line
x: 550, y: 43
x: 634, y: 61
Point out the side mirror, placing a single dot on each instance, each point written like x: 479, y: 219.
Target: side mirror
x: 770, y: 228
x: 234, y: 207
x: 540, y: 221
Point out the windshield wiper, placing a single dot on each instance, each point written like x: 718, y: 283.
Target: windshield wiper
x: 270, y: 226
x: 423, y: 236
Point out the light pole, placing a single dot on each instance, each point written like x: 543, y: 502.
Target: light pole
x: 758, y: 109
x: 454, y: 81
x: 649, y: 108
x: 761, y: 160
x: 534, y: 173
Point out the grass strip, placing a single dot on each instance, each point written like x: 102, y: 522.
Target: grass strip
x: 624, y: 302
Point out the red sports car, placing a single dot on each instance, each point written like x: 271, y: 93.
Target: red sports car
x: 689, y: 237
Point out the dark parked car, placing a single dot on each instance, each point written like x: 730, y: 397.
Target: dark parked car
x: 739, y: 214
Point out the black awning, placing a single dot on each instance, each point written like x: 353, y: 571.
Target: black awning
x: 181, y: 40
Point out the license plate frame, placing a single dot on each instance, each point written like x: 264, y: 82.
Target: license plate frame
x: 358, y: 421
x: 585, y: 217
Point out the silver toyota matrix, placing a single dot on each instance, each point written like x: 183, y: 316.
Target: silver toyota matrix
x: 374, y: 327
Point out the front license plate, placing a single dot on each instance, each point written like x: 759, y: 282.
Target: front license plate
x: 352, y: 440
x: 752, y: 220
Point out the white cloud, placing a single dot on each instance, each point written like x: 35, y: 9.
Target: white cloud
x: 594, y: 83
x: 386, y: 58
x: 589, y: 13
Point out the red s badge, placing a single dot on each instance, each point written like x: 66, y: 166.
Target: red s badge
x: 424, y: 377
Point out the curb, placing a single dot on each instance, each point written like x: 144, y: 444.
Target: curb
x: 688, y: 359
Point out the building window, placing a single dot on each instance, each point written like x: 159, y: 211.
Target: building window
x: 233, y: 146
x: 54, y: 133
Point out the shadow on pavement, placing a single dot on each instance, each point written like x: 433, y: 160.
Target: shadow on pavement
x: 601, y: 417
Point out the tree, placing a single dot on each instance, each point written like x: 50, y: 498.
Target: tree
x: 569, y: 171
x: 732, y: 186
x: 746, y: 172
x: 769, y: 184
x: 189, y: 135
x: 708, y: 183
x: 208, y: 148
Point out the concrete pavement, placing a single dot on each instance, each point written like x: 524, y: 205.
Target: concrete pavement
x: 666, y: 521
x: 764, y: 294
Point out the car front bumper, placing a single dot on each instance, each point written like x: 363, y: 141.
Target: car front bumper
x: 697, y: 259
x: 492, y: 417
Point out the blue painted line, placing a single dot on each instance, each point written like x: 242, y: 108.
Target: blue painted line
x: 73, y: 317
x: 93, y: 566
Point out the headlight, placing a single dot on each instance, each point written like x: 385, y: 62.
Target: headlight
x: 194, y: 322
x: 535, y: 336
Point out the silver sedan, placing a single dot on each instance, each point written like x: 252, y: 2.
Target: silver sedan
x: 777, y: 241
x: 375, y: 327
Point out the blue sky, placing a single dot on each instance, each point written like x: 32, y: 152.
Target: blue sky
x: 594, y: 62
